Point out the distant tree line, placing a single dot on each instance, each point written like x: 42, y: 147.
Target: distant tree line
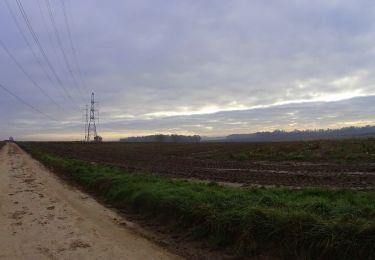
x: 280, y: 135
x: 163, y: 138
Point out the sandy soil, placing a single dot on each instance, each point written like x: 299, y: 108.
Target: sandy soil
x: 43, y: 218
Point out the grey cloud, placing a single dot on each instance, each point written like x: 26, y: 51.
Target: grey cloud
x: 143, y: 57
x: 294, y: 116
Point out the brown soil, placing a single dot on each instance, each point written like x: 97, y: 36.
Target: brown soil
x: 182, y: 161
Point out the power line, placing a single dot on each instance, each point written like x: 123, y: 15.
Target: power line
x: 29, y: 45
x: 59, y: 41
x: 37, y: 42
x: 47, y: 29
x: 27, y: 74
x: 26, y: 103
x: 72, y: 45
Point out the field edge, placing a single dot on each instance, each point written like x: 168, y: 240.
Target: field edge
x: 248, y: 231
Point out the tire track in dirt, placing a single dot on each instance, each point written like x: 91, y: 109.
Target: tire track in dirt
x: 43, y: 218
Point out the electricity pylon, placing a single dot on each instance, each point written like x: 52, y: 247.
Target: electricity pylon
x: 86, y: 122
x: 92, y: 134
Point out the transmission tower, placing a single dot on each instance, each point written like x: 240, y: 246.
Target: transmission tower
x: 92, y: 134
x: 86, y: 122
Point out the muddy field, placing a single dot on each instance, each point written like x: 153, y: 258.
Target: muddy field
x: 323, y: 163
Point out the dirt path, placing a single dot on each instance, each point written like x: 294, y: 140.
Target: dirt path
x: 44, y: 218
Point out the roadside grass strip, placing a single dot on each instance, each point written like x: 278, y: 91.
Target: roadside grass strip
x: 306, y: 223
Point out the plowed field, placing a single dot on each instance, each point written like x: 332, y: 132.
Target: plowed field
x: 348, y: 163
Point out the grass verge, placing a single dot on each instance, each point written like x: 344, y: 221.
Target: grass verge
x: 308, y: 223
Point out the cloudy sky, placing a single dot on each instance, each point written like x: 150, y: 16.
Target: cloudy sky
x: 212, y: 67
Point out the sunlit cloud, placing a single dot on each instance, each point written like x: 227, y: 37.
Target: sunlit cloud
x: 198, y: 67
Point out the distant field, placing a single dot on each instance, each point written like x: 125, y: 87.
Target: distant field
x: 2, y: 144
x: 343, y: 163
x: 306, y: 223
x: 342, y: 151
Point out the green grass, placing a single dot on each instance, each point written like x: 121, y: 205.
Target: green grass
x: 308, y: 223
